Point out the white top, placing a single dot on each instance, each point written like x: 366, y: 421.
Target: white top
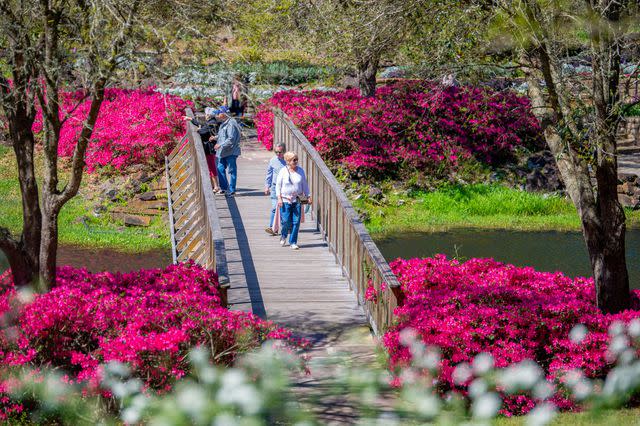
x: 291, y: 184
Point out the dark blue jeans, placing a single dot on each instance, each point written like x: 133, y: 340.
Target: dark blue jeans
x: 230, y: 163
x: 290, y: 220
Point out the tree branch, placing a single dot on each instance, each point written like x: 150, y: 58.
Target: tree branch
x: 71, y: 189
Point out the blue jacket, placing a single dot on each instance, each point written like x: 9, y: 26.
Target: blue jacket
x: 228, y: 139
x: 275, y: 165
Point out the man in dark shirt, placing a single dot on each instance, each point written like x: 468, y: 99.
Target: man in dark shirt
x: 207, y: 129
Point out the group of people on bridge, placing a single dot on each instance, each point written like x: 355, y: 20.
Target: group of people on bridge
x: 220, y: 134
x: 285, y: 180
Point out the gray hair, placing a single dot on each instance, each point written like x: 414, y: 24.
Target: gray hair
x: 279, y: 145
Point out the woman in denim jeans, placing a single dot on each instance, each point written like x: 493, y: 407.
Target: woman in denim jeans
x: 290, y: 183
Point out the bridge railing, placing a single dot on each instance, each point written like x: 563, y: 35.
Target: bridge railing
x: 196, y: 233
x: 362, y: 263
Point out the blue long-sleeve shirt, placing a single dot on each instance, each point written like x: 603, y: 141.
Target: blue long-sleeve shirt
x: 228, y: 139
x: 275, y: 165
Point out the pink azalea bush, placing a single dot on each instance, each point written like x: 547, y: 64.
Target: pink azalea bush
x: 133, y: 127
x: 149, y: 319
x: 417, y: 125
x: 512, y: 313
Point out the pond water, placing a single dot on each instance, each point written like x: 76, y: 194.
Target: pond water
x: 545, y: 251
x: 98, y: 260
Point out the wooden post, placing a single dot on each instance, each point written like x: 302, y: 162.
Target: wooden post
x: 197, y: 234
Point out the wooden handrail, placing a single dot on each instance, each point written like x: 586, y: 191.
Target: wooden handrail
x: 354, y: 249
x: 196, y: 233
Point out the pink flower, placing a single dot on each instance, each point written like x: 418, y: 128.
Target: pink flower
x: 413, y: 124
x: 512, y: 313
x: 149, y: 319
x: 133, y: 127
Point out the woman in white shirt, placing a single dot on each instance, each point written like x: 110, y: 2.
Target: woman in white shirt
x: 291, y: 183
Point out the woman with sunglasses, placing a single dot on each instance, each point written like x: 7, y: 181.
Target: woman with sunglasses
x: 290, y: 184
x: 275, y: 165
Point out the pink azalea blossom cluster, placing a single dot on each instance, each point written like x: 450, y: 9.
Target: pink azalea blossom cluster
x: 512, y: 313
x: 413, y: 124
x: 149, y: 319
x: 133, y: 127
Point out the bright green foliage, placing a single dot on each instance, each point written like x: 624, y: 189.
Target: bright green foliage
x: 78, y: 225
x: 276, y: 72
x: 473, y: 206
x: 448, y: 37
x: 269, y: 30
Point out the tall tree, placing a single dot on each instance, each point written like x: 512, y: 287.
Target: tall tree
x: 356, y: 34
x: 50, y: 46
x: 45, y: 41
x: 580, y: 115
x: 362, y: 32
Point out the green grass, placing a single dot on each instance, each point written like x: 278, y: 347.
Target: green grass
x: 77, y: 224
x: 471, y: 206
x: 621, y: 417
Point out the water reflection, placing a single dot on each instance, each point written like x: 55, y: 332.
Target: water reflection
x: 545, y: 251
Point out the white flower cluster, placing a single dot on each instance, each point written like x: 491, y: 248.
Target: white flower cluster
x: 259, y: 391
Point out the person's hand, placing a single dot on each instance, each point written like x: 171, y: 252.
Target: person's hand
x: 216, y: 146
x: 212, y: 138
x: 186, y: 118
x: 267, y: 191
x: 279, y: 202
x: 310, y: 200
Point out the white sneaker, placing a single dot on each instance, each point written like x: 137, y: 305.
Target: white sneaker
x: 294, y: 247
x: 283, y: 242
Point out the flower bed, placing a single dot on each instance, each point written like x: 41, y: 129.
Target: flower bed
x: 149, y: 319
x: 512, y: 313
x: 416, y: 125
x: 133, y: 127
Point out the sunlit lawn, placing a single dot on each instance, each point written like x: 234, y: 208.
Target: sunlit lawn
x: 615, y: 418
x: 472, y: 206
x: 77, y: 224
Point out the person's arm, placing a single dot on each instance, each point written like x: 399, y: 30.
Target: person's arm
x: 222, y: 140
x: 305, y: 184
x: 279, y: 187
x: 268, y: 179
x: 193, y: 120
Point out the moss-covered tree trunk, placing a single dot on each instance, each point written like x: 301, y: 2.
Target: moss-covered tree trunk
x: 367, y: 70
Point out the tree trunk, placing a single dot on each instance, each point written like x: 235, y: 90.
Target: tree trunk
x: 31, y: 214
x: 610, y: 265
x: 367, y: 70
x: 23, y: 255
x: 606, y: 247
x: 602, y: 217
x: 48, y: 250
x: 20, y: 262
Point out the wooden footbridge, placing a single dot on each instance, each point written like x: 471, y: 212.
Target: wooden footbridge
x: 319, y: 290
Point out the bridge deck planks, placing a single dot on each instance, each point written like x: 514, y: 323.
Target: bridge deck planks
x: 290, y: 287
x: 303, y: 290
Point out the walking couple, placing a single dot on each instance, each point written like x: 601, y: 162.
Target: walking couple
x: 287, y: 184
x: 220, y: 135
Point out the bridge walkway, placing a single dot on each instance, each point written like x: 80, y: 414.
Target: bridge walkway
x: 303, y: 290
